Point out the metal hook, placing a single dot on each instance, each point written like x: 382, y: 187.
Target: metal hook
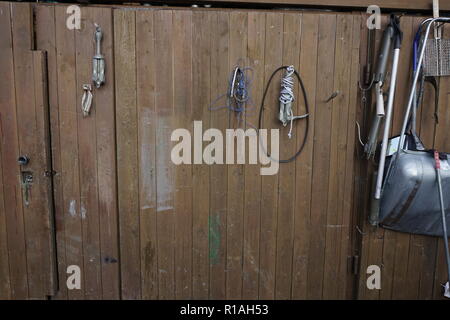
x: 333, y: 95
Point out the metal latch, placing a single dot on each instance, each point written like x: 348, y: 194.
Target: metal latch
x: 27, y: 181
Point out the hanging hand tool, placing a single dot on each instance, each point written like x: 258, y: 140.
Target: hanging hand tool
x: 444, y: 222
x: 397, y: 39
x: 98, y: 63
x: 368, y: 78
x: 379, y: 79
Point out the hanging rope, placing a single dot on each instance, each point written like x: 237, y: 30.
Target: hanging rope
x: 305, y: 116
x: 238, y: 97
x: 287, y: 95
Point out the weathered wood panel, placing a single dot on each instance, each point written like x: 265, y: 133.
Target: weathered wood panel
x: 208, y: 231
x: 127, y: 152
x: 83, y: 152
x: 27, y: 248
x: 12, y: 192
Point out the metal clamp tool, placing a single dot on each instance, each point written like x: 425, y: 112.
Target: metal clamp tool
x: 86, y: 100
x: 98, y: 72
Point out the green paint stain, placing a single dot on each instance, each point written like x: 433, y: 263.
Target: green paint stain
x: 214, y: 238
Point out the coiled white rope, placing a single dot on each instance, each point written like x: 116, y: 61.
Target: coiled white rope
x: 287, y: 86
x: 287, y: 93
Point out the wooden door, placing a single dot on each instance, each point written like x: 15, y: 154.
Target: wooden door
x: 27, y: 254
x: 224, y: 231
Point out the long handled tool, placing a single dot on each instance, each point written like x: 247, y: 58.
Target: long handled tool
x: 379, y: 77
x: 444, y: 222
x: 397, y: 38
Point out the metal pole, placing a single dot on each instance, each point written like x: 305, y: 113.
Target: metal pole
x: 444, y: 222
x: 387, y: 124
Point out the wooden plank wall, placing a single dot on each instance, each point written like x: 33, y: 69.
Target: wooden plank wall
x: 142, y: 227
x: 27, y: 256
x: 224, y: 231
x: 83, y: 151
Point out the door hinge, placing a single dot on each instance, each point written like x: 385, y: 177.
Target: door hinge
x: 353, y: 264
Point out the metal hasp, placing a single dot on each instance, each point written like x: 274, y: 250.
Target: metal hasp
x: 98, y: 63
x: 286, y: 98
x: 27, y: 181
x: 86, y: 100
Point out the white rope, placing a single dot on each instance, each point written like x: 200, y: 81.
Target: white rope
x: 290, y: 125
x: 287, y: 86
x: 287, y: 93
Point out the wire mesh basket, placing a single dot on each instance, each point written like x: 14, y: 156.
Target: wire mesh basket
x: 437, y: 58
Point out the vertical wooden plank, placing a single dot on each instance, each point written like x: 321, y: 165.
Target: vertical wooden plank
x: 43, y: 183
x: 288, y: 147
x: 127, y: 152
x: 252, y: 194
x: 6, y: 99
x: 10, y: 150
x: 147, y: 122
x: 372, y: 237
x: 103, y: 105
x: 33, y: 141
x: 69, y: 106
x: 182, y: 63
x: 219, y: 119
x: 238, y: 52
x: 269, y: 184
x: 347, y: 240
x: 45, y: 37
x: 308, y: 71
x: 87, y: 153
x: 321, y: 159
x: 5, y: 283
x: 402, y: 240
x: 335, y: 227
x: 26, y: 121
x: 201, y: 75
x: 165, y: 171
x: 360, y: 242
